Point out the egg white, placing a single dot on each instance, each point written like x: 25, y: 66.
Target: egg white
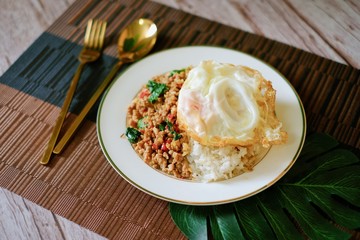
x: 221, y: 104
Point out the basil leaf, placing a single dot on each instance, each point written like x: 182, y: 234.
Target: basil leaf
x: 156, y: 90
x: 169, y: 124
x: 176, y: 135
x: 170, y: 127
x: 141, y: 124
x: 162, y: 126
x: 176, y: 71
x: 132, y: 135
x: 165, y: 124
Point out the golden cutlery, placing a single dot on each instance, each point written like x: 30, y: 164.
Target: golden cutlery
x: 134, y: 42
x: 93, y: 43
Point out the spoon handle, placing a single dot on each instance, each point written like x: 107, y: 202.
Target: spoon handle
x: 79, y: 119
x: 62, y: 115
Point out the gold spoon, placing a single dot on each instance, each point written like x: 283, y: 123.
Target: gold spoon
x: 134, y: 43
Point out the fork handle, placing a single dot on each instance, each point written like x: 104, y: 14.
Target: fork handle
x: 62, y: 115
x: 80, y: 118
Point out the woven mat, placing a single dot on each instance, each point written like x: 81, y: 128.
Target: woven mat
x: 79, y: 184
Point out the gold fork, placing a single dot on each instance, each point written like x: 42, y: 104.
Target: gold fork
x: 93, y: 43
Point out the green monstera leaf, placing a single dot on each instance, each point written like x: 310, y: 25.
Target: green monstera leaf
x: 319, y: 198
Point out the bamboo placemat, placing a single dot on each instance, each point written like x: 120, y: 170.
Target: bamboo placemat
x: 79, y: 184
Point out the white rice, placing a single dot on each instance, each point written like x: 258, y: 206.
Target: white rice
x: 215, y: 163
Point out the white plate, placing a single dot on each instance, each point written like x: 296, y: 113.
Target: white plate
x: 111, y: 124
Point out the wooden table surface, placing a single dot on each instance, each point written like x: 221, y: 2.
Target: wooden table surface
x: 329, y: 28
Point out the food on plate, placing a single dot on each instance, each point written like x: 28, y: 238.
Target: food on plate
x: 222, y: 104
x: 206, y: 123
x: 152, y: 126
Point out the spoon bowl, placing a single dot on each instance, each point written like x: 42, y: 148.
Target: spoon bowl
x: 135, y: 41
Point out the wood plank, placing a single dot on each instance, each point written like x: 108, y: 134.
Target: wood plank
x: 21, y: 22
x: 337, y: 23
x: 326, y: 28
x: 22, y: 219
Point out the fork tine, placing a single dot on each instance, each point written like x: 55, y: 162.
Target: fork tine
x: 97, y: 35
x: 87, y: 32
x: 93, y: 34
x: 102, y: 34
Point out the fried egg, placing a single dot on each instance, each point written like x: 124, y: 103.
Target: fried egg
x: 222, y: 104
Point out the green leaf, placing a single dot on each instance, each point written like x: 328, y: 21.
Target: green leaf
x: 170, y: 127
x: 176, y: 72
x: 311, y: 221
x: 320, y: 193
x: 252, y: 221
x: 162, y: 126
x: 228, y: 226
x: 191, y: 220
x: 261, y: 219
x: 141, y: 123
x: 132, y: 135
x: 156, y: 90
x: 215, y: 228
x: 177, y: 136
x: 315, y: 145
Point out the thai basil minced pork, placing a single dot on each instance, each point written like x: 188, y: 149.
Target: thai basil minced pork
x: 153, y: 114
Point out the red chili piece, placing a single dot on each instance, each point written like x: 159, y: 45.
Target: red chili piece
x: 144, y: 93
x: 171, y: 117
x: 164, y: 148
x: 155, y: 147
